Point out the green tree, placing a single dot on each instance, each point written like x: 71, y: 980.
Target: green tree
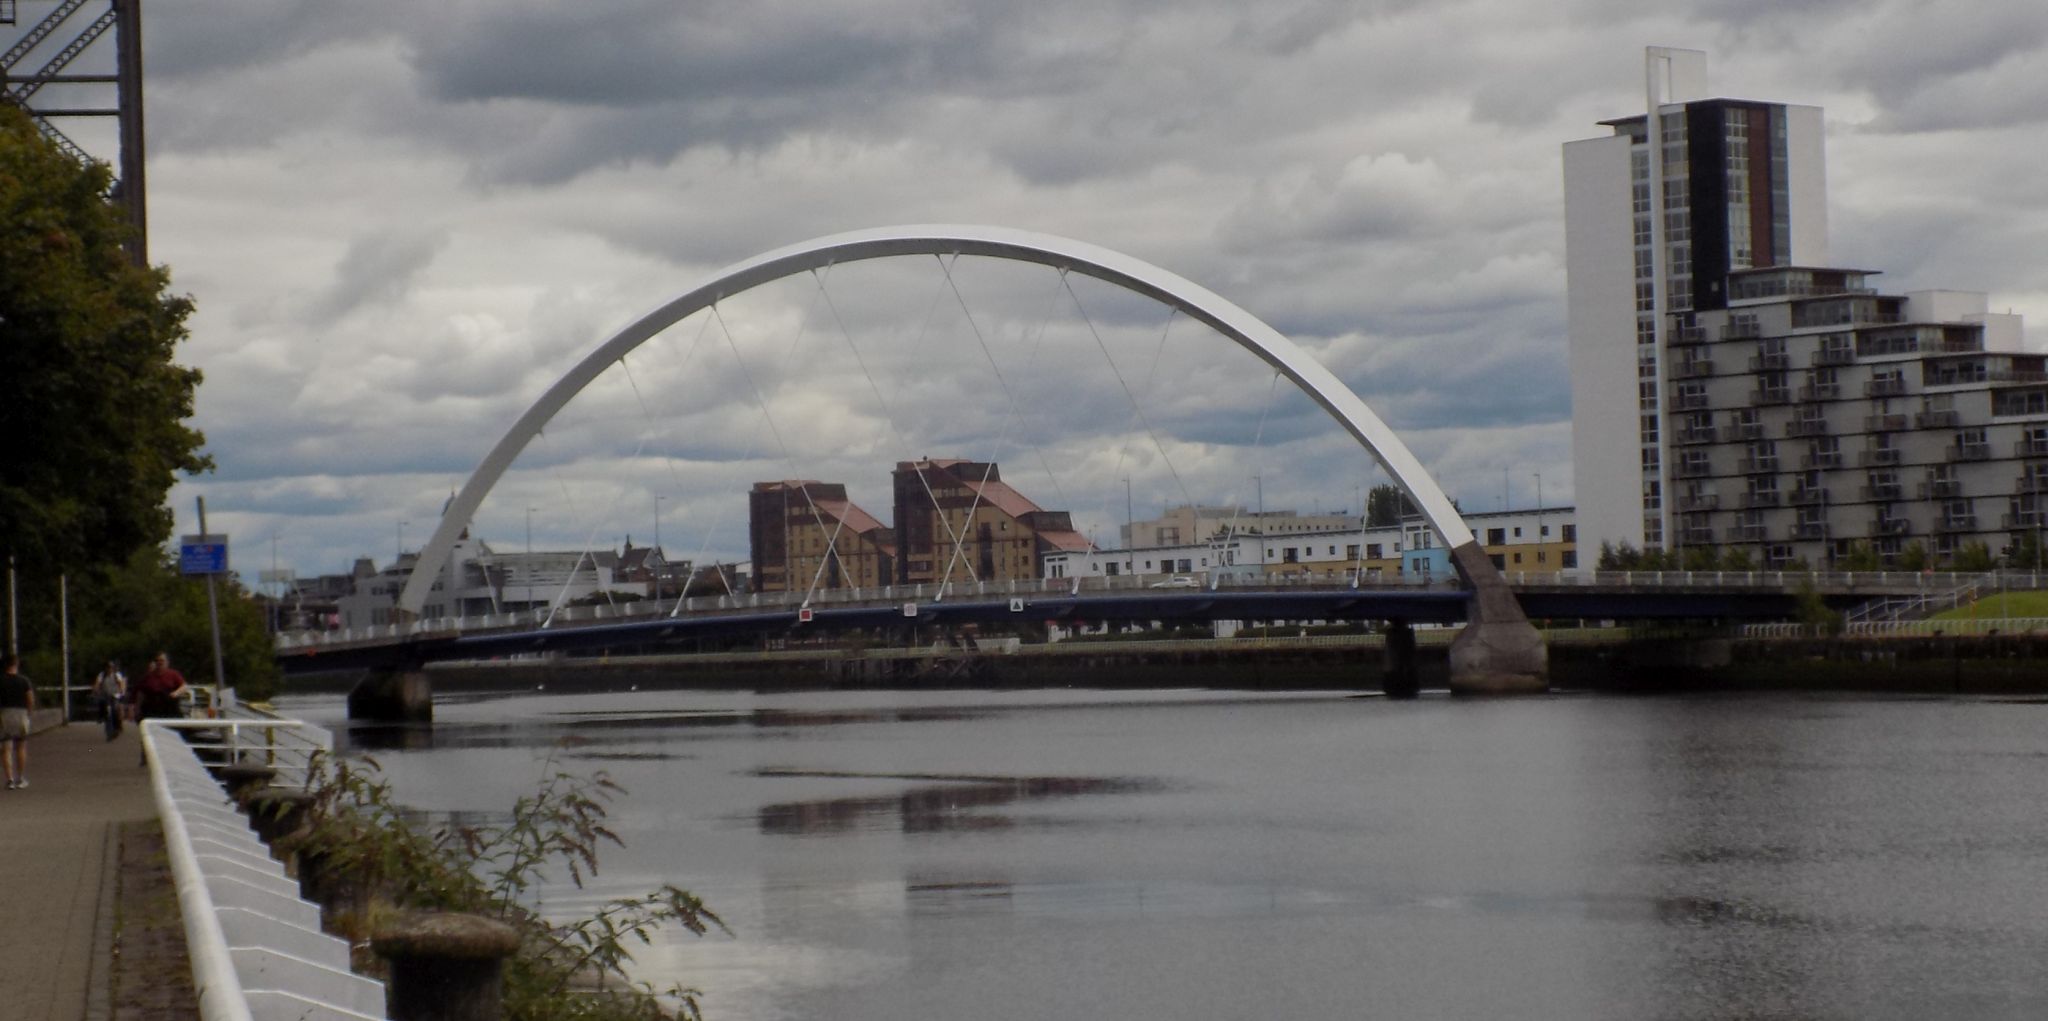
x: 144, y: 606
x: 1860, y: 557
x: 1737, y: 559
x: 1914, y: 557
x: 1386, y: 505
x: 91, y: 404
x: 1974, y: 557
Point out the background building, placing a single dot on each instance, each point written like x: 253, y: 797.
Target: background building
x: 958, y: 520
x: 1731, y: 390
x: 805, y: 533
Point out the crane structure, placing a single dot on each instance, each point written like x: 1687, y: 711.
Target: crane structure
x: 40, y: 56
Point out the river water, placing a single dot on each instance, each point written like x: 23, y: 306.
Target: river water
x: 1170, y: 855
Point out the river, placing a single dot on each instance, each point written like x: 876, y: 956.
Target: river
x: 1170, y: 855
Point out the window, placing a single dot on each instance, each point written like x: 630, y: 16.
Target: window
x: 1569, y: 559
x: 1570, y: 533
x: 1372, y: 551
x: 1290, y: 555
x: 1351, y: 552
x: 1496, y: 536
x: 1518, y: 531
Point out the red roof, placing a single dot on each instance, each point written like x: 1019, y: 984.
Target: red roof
x: 998, y: 494
x: 1072, y: 542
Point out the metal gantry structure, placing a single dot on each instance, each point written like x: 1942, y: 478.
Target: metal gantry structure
x: 57, y: 48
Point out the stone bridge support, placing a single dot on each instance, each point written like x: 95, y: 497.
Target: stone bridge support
x: 388, y: 695
x: 1499, y: 652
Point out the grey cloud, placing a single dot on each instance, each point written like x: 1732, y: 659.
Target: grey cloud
x: 377, y: 268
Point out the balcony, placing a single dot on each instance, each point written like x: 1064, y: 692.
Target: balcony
x: 1956, y: 523
x: 1890, y: 526
x: 1761, y: 498
x: 1879, y: 457
x: 1822, y: 459
x: 1820, y: 391
x: 2031, y: 447
x: 1689, y: 402
x: 1694, y: 368
x: 1690, y: 436
x: 1757, y: 465
x: 1772, y: 361
x: 1980, y: 451
x: 1946, y: 418
x: 1808, y: 495
x: 1941, y: 489
x: 1743, y: 432
x: 1692, y: 469
x: 1742, y: 330
x: 1688, y: 335
x: 1889, y: 423
x: 1696, y: 502
x: 1810, y: 530
x: 1885, y: 386
x: 2023, y: 519
x: 1745, y: 533
x: 1697, y: 535
x: 1882, y: 491
x: 1771, y: 395
x: 1807, y: 427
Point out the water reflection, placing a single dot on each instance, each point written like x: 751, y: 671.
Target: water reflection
x: 942, y: 802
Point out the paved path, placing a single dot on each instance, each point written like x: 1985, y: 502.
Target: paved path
x: 58, y: 844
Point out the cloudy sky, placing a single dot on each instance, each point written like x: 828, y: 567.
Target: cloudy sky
x: 401, y: 222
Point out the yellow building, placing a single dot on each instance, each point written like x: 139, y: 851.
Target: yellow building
x: 807, y: 535
x: 959, y: 521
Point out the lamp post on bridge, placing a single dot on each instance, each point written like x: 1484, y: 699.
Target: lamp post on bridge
x: 399, y: 553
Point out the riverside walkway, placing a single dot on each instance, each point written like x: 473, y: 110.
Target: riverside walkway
x: 59, y: 862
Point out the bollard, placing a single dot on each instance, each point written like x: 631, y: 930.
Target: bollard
x: 445, y: 966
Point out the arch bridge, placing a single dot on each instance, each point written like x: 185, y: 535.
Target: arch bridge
x: 1498, y: 652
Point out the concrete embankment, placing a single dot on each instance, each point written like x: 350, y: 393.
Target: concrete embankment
x: 1996, y: 664
x: 1937, y: 664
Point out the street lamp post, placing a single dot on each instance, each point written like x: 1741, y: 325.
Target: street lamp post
x: 655, y: 569
x: 1539, y: 513
x: 400, y: 552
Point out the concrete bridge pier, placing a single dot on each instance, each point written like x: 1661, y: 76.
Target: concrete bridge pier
x: 386, y: 695
x: 1499, y: 652
x: 1400, y: 679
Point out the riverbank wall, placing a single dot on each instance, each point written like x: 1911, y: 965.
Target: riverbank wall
x: 2010, y: 664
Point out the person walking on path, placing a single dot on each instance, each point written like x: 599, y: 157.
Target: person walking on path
x: 110, y: 689
x: 17, y: 702
x: 157, y: 694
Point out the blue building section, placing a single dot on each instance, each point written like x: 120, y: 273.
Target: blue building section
x: 1433, y: 563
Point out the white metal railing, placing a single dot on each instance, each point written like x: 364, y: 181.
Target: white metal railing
x: 1953, y: 626
x: 257, y: 950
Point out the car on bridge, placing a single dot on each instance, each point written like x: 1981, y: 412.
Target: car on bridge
x: 1178, y: 581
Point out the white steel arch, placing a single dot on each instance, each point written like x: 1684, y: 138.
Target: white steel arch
x: 996, y: 242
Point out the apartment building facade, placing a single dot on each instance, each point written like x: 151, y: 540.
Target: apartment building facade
x: 1731, y: 389
x: 806, y: 534
x: 957, y: 520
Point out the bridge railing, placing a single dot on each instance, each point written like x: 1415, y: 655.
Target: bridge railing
x: 256, y: 946
x: 1832, y: 582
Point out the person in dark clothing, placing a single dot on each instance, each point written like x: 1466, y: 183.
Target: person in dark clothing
x: 17, y: 702
x: 158, y: 694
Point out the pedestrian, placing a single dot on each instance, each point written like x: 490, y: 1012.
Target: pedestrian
x: 17, y: 702
x: 157, y: 695
x: 110, y: 690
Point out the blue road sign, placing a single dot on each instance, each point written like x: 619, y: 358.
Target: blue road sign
x: 203, y: 554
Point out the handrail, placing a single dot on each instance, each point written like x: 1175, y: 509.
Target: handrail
x: 213, y: 971
x: 270, y: 959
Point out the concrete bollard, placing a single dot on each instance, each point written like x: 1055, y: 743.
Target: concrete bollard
x: 445, y: 966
